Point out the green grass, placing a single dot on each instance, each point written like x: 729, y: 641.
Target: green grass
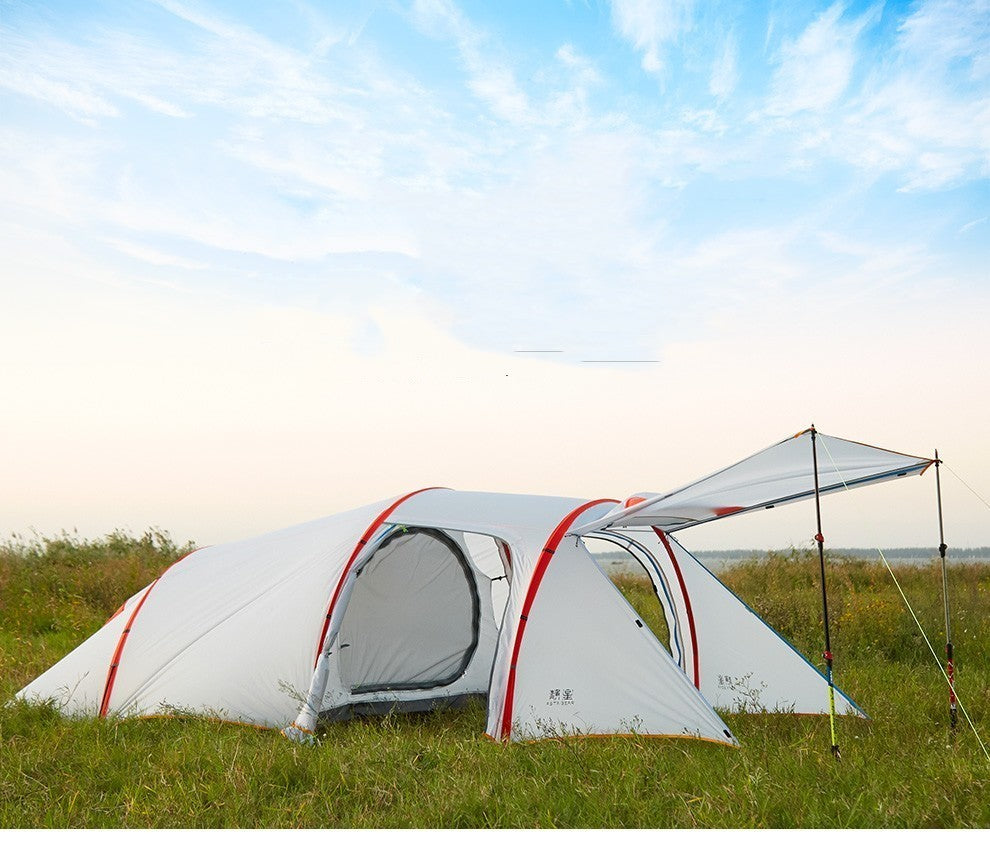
x: 903, y: 768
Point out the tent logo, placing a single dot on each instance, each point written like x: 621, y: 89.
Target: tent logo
x: 561, y: 696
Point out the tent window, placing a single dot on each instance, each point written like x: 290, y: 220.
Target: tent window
x: 413, y: 618
x: 493, y: 559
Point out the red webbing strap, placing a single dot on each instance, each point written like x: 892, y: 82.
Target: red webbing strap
x: 534, y: 583
x: 687, y: 605
x: 365, y: 538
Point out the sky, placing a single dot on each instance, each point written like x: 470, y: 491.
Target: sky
x: 266, y: 262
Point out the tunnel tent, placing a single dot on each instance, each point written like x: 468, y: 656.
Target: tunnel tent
x: 438, y: 596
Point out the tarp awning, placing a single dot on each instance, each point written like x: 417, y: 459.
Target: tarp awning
x: 781, y: 473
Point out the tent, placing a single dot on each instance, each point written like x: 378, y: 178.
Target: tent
x: 439, y: 596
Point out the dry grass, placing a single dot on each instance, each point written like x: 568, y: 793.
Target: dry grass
x: 902, y: 769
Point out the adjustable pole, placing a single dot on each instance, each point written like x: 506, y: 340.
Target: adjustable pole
x: 950, y: 670
x: 820, y: 539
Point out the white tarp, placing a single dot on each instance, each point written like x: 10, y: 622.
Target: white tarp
x: 781, y: 473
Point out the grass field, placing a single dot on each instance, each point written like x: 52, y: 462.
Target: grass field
x: 903, y: 768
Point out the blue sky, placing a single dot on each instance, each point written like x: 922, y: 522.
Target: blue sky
x: 235, y: 226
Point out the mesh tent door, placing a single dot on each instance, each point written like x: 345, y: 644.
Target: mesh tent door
x: 413, y: 617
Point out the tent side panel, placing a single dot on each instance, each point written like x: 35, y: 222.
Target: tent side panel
x: 122, y: 642
x: 229, y: 631
x: 531, y: 589
x: 745, y: 664
x: 590, y: 666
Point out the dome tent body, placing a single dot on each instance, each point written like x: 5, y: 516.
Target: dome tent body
x: 436, y: 596
x: 227, y: 630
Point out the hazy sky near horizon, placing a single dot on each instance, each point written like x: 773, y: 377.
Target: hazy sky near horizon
x: 264, y: 262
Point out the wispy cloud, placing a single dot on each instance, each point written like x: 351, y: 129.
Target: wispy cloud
x: 65, y: 75
x: 815, y: 68
x: 925, y: 113
x: 154, y: 256
x: 915, y: 107
x: 651, y: 26
x: 725, y: 71
x: 41, y: 75
x: 490, y: 77
x: 568, y: 191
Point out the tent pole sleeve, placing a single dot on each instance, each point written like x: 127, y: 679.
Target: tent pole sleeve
x: 820, y: 540
x: 688, y: 611
x: 122, y: 640
x: 303, y: 728
x: 950, y: 666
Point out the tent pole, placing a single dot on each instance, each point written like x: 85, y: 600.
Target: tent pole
x: 820, y: 539
x: 950, y: 669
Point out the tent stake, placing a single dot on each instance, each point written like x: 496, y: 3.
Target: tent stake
x: 950, y: 669
x: 820, y: 539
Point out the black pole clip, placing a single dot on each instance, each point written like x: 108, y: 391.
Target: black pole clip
x: 942, y: 549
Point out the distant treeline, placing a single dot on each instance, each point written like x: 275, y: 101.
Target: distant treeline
x: 977, y: 553
x: 912, y: 552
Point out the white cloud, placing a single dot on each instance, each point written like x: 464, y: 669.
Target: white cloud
x: 815, y: 69
x: 922, y: 112
x: 938, y: 32
x: 651, y: 26
x: 725, y: 71
x: 490, y: 77
x: 149, y: 254
x: 89, y: 82
x: 569, y: 86
x: 927, y: 112
x: 27, y: 70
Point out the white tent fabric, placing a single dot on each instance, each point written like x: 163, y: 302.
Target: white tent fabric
x: 590, y: 665
x: 436, y: 595
x: 228, y: 631
x: 781, y: 473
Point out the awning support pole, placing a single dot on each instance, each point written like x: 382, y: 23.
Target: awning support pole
x: 820, y: 539
x: 950, y: 670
